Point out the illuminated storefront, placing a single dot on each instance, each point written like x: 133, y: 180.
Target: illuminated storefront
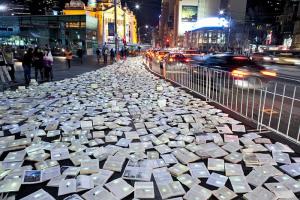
x: 104, y: 12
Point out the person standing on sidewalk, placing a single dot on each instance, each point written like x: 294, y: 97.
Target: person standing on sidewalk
x: 48, y: 65
x: 9, y: 57
x: 69, y: 57
x: 80, y: 54
x: 27, y: 64
x: 38, y: 63
x: 122, y: 53
x: 112, y: 55
x: 98, y: 53
x: 105, y: 54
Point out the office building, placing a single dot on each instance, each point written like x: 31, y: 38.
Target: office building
x: 179, y: 17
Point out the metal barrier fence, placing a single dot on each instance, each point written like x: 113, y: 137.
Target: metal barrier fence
x: 273, y: 105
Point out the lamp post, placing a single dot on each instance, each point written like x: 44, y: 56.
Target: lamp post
x: 116, y: 29
x: 3, y: 8
x: 222, y: 13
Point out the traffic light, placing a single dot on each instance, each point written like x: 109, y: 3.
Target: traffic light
x: 167, y: 42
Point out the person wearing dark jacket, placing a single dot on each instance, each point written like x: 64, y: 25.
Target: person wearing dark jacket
x: 112, y: 55
x: 80, y: 55
x: 27, y: 64
x: 38, y: 63
x: 98, y: 52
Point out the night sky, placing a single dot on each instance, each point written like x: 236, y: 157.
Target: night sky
x: 149, y: 11
x: 148, y: 14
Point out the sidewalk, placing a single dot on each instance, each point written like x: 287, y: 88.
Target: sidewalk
x: 60, y: 70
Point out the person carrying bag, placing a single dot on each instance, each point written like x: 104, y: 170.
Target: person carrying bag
x: 48, y: 65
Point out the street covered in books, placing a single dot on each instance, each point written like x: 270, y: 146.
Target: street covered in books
x: 121, y: 132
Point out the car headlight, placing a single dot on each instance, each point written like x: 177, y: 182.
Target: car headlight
x: 267, y: 58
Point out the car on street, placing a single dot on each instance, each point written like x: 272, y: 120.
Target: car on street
x: 261, y: 58
x: 172, y: 58
x: 160, y: 55
x: 286, y: 58
x: 242, y: 71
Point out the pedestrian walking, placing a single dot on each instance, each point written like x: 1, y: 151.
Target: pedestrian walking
x: 80, y: 54
x: 105, y: 54
x: 9, y: 57
x: 112, y: 55
x: 126, y: 52
x: 38, y: 63
x: 98, y: 53
x: 27, y: 64
x: 69, y: 57
x: 122, y: 52
x: 48, y: 65
x: 3, y: 69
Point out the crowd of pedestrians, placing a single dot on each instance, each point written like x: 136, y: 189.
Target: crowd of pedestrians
x: 106, y: 53
x: 41, y: 60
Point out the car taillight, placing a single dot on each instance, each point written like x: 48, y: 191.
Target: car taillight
x: 187, y: 60
x: 268, y: 73
x: 239, y: 73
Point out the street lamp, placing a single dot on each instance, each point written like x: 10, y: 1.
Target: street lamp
x: 137, y: 6
x: 146, y: 26
x: 3, y: 8
x: 228, y: 16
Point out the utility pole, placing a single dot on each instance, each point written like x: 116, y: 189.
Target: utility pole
x: 116, y: 30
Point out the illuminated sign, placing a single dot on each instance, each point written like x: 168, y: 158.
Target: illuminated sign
x: 189, y: 13
x: 211, y: 22
x: 92, y: 3
x: 91, y: 23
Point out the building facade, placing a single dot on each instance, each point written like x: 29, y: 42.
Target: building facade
x: 179, y: 17
x: 103, y: 11
x: 58, y: 32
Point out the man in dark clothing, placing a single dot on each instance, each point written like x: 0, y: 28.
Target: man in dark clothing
x: 112, y: 55
x: 80, y: 55
x: 38, y: 63
x: 98, y: 53
x: 122, y: 52
x: 27, y: 64
x: 105, y: 54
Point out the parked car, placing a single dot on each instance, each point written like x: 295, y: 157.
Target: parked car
x: 241, y: 70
